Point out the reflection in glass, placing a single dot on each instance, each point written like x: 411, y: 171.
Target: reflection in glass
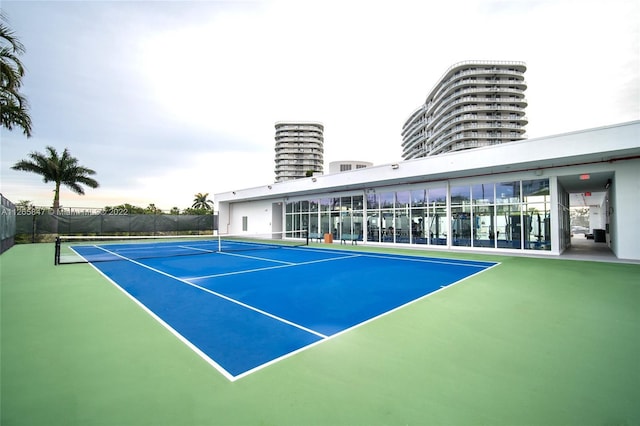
x: 357, y: 228
x: 346, y: 203
x: 403, y: 226
x: 387, y: 200
x: 508, y: 192
x: 373, y: 226
x: 419, y: 219
x: 418, y: 198
x: 335, y: 224
x: 508, y: 226
x: 460, y: 195
x: 461, y: 226
x: 387, y: 228
x: 483, y: 226
x: 402, y: 199
x: 482, y: 193
x: 357, y: 202
x: 438, y: 226
x: 325, y: 223
x: 438, y: 196
x: 511, y: 215
x: 313, y: 223
x: 372, y: 201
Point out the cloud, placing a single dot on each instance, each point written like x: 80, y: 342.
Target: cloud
x: 168, y: 98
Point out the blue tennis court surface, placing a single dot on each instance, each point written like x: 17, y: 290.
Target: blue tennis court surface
x: 243, y: 310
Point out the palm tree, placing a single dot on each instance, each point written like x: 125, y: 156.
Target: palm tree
x: 201, y: 202
x: 62, y: 170
x: 152, y: 209
x: 13, y: 105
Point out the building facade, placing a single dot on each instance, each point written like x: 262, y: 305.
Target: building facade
x: 514, y: 197
x: 299, y: 149
x: 474, y: 104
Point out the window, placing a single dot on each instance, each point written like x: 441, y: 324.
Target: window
x: 460, y: 195
x: 387, y: 199
x: 245, y: 223
x: 508, y: 192
x: 418, y: 198
x: 537, y: 211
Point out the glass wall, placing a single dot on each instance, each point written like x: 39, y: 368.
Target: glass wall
x: 337, y: 216
x: 412, y: 216
x: 484, y: 215
x: 461, y: 216
x: 509, y: 214
x: 537, y: 209
x: 438, y: 216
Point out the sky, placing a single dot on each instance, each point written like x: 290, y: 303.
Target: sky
x: 166, y: 99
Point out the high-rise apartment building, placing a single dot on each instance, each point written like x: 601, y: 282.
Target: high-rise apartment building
x: 299, y: 149
x: 475, y: 104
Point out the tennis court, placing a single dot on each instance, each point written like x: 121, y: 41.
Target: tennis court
x: 532, y: 341
x: 243, y: 305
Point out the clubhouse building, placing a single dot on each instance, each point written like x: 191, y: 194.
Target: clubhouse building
x: 507, y: 198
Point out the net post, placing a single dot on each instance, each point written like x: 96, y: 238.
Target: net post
x: 306, y: 236
x: 56, y: 255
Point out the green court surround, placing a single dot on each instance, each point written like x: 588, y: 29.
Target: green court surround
x: 529, y: 342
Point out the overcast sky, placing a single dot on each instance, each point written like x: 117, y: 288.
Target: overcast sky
x: 165, y: 99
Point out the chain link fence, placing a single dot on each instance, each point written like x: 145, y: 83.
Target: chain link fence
x: 7, y: 224
x: 43, y: 224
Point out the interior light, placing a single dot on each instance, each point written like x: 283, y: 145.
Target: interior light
x: 585, y: 177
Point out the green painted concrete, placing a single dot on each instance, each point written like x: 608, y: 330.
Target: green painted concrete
x: 529, y: 342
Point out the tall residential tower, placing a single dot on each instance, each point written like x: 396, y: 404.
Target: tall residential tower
x: 299, y: 149
x: 475, y: 104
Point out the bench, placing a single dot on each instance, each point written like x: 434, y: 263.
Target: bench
x: 350, y: 237
x: 316, y: 236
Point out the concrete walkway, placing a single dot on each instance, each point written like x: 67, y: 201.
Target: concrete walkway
x: 584, y: 249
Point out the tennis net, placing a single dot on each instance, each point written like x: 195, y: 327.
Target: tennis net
x: 89, y: 249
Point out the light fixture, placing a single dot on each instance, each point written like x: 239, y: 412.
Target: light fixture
x: 585, y: 177
x: 394, y: 166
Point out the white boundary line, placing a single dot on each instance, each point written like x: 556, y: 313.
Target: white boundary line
x: 288, y: 265
x: 197, y: 249
x: 407, y: 257
x: 222, y: 296
x: 346, y: 330
x: 255, y: 258
x: 429, y: 260
x: 173, y: 331
x: 323, y: 337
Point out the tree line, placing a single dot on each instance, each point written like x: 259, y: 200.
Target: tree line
x: 201, y: 205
